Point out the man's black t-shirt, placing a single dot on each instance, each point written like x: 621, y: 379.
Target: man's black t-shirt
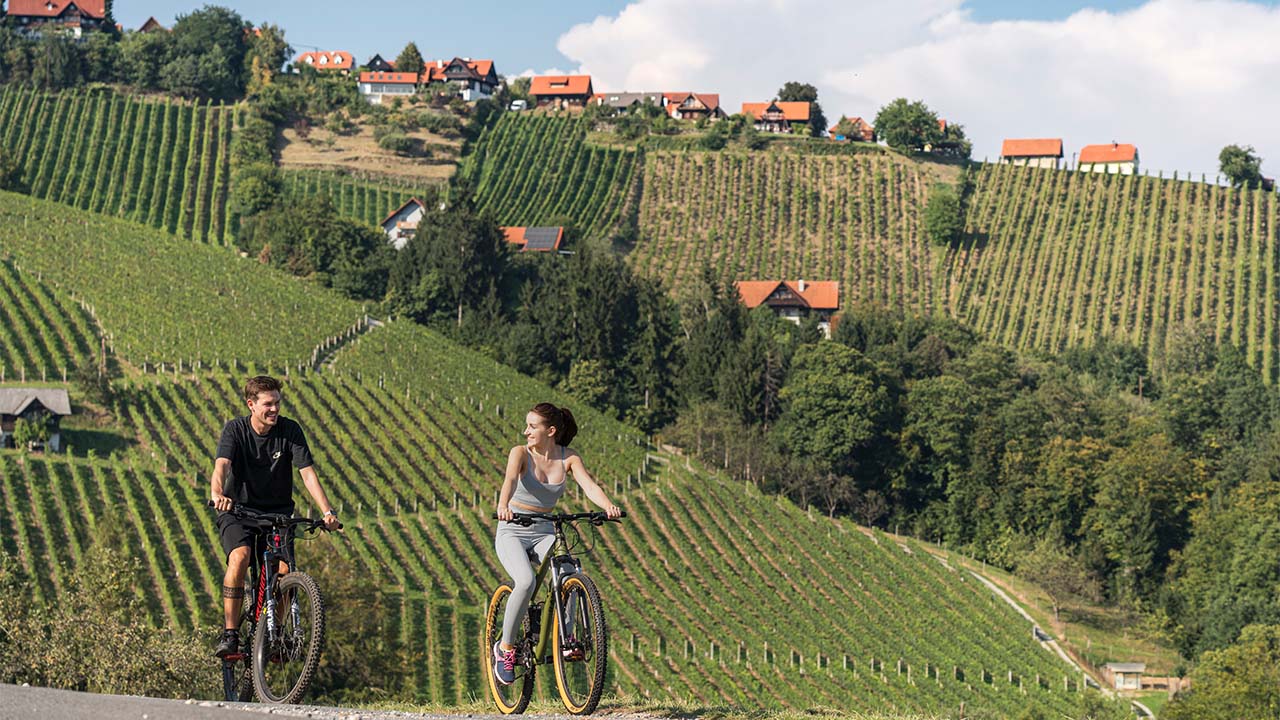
x: 261, y: 474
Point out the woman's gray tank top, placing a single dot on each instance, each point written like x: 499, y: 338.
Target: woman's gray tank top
x: 532, y: 493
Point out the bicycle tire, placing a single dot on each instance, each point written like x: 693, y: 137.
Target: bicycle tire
x: 262, y: 655
x: 581, y: 681
x: 510, y: 699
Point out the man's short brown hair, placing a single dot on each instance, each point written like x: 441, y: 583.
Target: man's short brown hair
x: 260, y: 384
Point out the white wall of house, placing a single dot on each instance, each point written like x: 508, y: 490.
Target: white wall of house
x: 1115, y: 168
x: 374, y: 92
x: 1037, y: 162
x: 402, y: 226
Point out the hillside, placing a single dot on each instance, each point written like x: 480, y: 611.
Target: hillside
x: 161, y: 163
x: 366, y: 198
x: 715, y: 592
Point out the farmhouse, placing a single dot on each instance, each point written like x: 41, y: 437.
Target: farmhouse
x: 42, y: 406
x: 794, y: 300
x: 1040, y: 152
x: 779, y: 117
x: 337, y: 60
x: 377, y: 87
x: 1114, y: 158
x: 626, y: 100
x: 536, y: 239
x: 402, y: 224
x: 694, y: 106
x: 377, y: 64
x: 473, y: 79
x: 561, y: 91
x: 853, y: 128
x: 73, y: 17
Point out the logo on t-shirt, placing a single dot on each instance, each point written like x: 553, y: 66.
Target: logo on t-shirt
x: 276, y: 456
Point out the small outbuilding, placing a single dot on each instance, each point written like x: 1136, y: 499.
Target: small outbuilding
x: 42, y: 406
x: 1126, y: 676
x: 1120, y: 158
x: 1035, y: 152
x: 535, y: 239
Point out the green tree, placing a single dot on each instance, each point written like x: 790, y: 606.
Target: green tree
x: 711, y: 318
x: 142, y: 56
x: 1061, y: 575
x: 410, y: 59
x: 56, y: 63
x: 1240, y: 681
x: 27, y: 431
x: 943, y: 215
x: 269, y: 48
x: 207, y: 56
x: 1241, y: 165
x: 908, y: 126
x: 590, y: 381
x: 10, y: 171
x: 804, y: 92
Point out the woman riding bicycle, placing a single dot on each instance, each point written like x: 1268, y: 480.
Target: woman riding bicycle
x: 537, y: 473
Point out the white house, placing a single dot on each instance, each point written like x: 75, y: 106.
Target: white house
x: 1038, y: 152
x: 402, y: 224
x: 38, y: 405
x: 793, y: 301
x: 376, y: 87
x: 1126, y: 676
x: 1114, y: 158
x: 473, y: 79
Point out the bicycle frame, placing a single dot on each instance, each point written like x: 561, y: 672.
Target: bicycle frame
x: 556, y: 557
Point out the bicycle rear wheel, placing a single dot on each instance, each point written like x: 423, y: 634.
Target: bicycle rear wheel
x: 514, y: 698
x: 283, y: 665
x: 581, y: 647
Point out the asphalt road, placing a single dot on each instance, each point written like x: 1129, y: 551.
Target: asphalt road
x: 23, y: 703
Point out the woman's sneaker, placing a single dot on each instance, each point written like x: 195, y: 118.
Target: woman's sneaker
x: 573, y: 651
x: 504, y: 664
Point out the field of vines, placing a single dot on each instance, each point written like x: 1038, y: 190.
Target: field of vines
x: 539, y: 169
x: 766, y: 606
x: 159, y: 163
x: 784, y: 216
x: 162, y: 300
x: 1057, y: 259
x: 43, y: 333
x: 364, y: 200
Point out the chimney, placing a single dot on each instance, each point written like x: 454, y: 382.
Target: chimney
x: 801, y: 286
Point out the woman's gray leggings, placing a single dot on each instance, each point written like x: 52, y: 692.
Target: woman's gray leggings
x: 513, y: 543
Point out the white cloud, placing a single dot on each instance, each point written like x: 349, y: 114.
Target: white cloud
x: 1179, y: 78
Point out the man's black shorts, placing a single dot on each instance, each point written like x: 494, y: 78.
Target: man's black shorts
x: 236, y: 532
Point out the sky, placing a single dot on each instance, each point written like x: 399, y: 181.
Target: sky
x: 1178, y: 78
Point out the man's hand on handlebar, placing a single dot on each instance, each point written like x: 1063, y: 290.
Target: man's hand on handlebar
x: 221, y: 502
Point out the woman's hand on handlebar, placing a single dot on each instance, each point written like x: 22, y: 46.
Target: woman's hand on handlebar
x: 613, y: 512
x: 504, y: 513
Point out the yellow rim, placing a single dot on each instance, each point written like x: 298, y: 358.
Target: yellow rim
x: 559, y: 656
x: 487, y: 655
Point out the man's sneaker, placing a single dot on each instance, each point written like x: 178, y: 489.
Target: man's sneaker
x: 573, y: 651
x: 504, y: 664
x: 230, y: 643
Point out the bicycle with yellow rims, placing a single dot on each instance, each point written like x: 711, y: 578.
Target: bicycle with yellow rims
x: 566, y: 628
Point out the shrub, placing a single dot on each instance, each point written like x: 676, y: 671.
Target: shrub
x: 398, y: 143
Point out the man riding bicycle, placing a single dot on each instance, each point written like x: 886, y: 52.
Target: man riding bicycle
x: 253, y: 468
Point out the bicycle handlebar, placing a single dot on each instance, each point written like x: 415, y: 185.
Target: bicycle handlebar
x: 595, y: 518
x: 277, y: 519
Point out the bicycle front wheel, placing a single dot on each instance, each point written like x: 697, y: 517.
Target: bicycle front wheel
x: 284, y: 662
x: 581, y: 645
x: 514, y: 698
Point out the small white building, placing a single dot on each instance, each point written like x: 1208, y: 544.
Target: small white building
x: 1118, y: 158
x: 33, y: 405
x: 379, y: 87
x: 402, y: 224
x: 1126, y: 676
x: 1037, y: 152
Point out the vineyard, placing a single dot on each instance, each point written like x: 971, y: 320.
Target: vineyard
x: 368, y: 201
x: 159, y: 163
x: 1059, y: 259
x: 785, y: 216
x: 43, y: 334
x: 161, y: 300
x: 540, y: 170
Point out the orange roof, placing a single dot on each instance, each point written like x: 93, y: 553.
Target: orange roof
x: 336, y: 60
x: 516, y: 236
x: 1038, y: 147
x: 1112, y: 153
x: 54, y: 8
x: 818, y: 295
x: 560, y: 85
x: 435, y: 70
x: 792, y: 111
x: 389, y: 77
x: 855, y: 121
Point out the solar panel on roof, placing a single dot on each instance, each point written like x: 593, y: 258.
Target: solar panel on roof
x: 541, y: 238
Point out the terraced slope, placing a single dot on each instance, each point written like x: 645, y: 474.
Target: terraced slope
x: 160, y: 163
x: 539, y: 169
x: 365, y: 200
x: 42, y: 332
x: 761, y: 216
x: 1056, y: 259
x: 161, y: 299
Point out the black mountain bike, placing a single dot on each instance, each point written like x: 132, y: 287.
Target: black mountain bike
x: 570, y: 620
x: 282, y: 622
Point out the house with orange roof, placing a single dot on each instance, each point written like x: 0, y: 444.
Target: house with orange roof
x: 778, y: 117
x: 1035, y: 152
x: 70, y: 17
x: 693, y: 106
x: 793, y: 301
x: 377, y: 64
x: 402, y: 224
x: 1118, y: 158
x: 336, y: 60
x: 472, y: 79
x: 379, y: 87
x: 561, y: 91
x: 854, y: 128
x: 535, y: 239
